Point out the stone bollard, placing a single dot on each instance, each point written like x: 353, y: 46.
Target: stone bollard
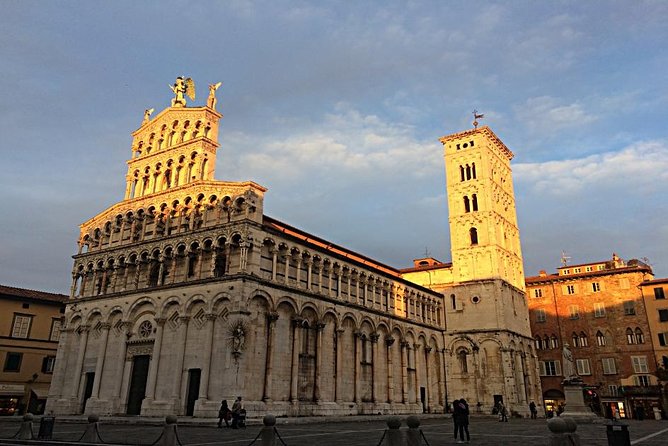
x: 268, y: 432
x: 91, y: 433
x: 393, y: 434
x: 169, y: 436
x: 414, y: 436
x: 563, y: 432
x: 25, y: 431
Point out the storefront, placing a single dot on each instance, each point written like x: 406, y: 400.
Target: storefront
x: 643, y: 402
x: 553, y: 401
x: 10, y: 398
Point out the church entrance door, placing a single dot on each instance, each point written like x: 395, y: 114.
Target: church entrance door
x: 138, y: 383
x: 194, y: 376
x: 88, y: 389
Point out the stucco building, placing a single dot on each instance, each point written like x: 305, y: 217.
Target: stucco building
x: 29, y: 334
x: 185, y: 293
x: 598, y: 310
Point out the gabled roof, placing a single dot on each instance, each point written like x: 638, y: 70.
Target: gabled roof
x: 23, y: 293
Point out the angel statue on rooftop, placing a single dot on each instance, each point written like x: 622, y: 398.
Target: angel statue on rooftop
x: 211, y: 101
x: 182, y: 86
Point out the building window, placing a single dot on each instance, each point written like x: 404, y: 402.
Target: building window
x: 574, y: 311
x: 583, y: 366
x: 639, y: 364
x: 584, y: 342
x: 623, y: 283
x: 540, y: 315
x: 570, y: 289
x: 55, y: 330
x: 474, y: 202
x: 554, y: 342
x: 473, y: 232
x: 599, y: 309
x: 48, y: 363
x: 659, y: 293
x: 462, y: 355
x: 629, y: 308
x: 467, y: 204
x: 537, y: 292
x: 588, y: 269
x: 539, y: 343
x: 663, y: 315
x: 600, y: 339
x: 453, y: 301
x: 613, y: 390
x: 641, y: 380
x: 567, y: 271
x: 549, y: 368
x: 596, y: 287
x: 21, y: 326
x: 546, y: 342
x: 575, y: 340
x: 576, y: 270
x: 663, y: 339
x: 630, y: 338
x: 13, y: 362
x: 640, y: 338
x: 609, y: 366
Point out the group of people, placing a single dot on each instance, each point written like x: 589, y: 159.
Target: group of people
x: 237, y: 414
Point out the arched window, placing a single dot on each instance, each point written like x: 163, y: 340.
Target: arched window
x: 554, y: 342
x: 468, y: 172
x: 630, y: 338
x: 462, y: 356
x: 640, y: 338
x: 546, y: 342
x: 467, y: 204
x: 600, y: 338
x: 576, y: 340
x: 584, y: 342
x: 474, y: 202
x: 473, y: 232
x: 539, y: 343
x: 202, y: 174
x: 462, y: 172
x: 473, y: 169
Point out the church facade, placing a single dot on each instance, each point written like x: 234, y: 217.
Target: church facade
x: 185, y: 293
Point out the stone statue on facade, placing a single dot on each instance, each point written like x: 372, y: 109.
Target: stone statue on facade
x: 181, y: 88
x: 211, y: 101
x: 147, y: 115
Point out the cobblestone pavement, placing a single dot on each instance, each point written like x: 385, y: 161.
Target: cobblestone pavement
x: 297, y: 432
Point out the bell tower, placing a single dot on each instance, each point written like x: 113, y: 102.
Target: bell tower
x: 484, y: 237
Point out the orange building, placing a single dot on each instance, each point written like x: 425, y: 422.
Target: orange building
x: 598, y: 310
x: 655, y: 295
x: 29, y: 334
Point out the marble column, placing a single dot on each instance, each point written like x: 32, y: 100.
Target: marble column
x: 155, y: 359
x: 180, y: 355
x: 339, y: 372
x: 102, y: 352
x: 404, y: 372
x: 296, y: 346
x: 78, y: 369
x: 389, y: 341
x: 206, y: 368
x: 319, y: 327
x: 358, y: 367
x: 375, y: 366
x: 427, y: 351
x: 416, y: 376
x: 269, y: 366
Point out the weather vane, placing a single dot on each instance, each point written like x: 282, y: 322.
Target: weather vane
x: 476, y: 116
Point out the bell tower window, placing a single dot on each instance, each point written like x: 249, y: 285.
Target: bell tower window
x: 467, y: 204
x: 473, y: 232
x: 474, y: 202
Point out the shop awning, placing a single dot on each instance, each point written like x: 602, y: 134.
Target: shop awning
x: 40, y: 391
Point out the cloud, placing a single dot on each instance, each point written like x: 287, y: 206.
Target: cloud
x: 641, y: 167
x: 546, y: 115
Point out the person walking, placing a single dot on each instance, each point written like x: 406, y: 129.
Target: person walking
x: 503, y: 412
x: 532, y: 409
x: 461, y: 416
x: 224, y: 414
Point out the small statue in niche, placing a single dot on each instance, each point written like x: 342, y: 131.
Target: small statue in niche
x: 237, y: 338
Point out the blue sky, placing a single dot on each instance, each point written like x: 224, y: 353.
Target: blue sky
x: 337, y: 108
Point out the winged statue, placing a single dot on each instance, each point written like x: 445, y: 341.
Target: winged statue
x: 182, y: 86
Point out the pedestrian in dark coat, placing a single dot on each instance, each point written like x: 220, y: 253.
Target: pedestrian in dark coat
x: 461, y: 416
x: 224, y: 414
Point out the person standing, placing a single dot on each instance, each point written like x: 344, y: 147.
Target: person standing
x: 237, y: 407
x: 461, y: 416
x: 503, y: 412
x: 532, y: 409
x: 224, y: 413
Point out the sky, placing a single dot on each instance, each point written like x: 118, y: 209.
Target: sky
x: 337, y: 108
